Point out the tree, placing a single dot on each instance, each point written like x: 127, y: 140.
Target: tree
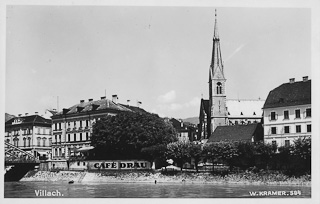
x: 245, y: 151
x: 284, y: 156
x: 220, y: 152
x: 124, y: 135
x: 302, y: 151
x: 265, y: 152
x: 155, y: 152
x: 196, y: 152
x: 179, y: 152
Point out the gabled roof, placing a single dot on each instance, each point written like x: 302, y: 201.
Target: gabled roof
x: 205, y: 106
x: 234, y: 133
x: 289, y: 94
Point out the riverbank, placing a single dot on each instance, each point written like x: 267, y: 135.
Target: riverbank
x: 152, y: 177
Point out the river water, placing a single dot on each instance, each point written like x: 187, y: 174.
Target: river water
x: 146, y: 190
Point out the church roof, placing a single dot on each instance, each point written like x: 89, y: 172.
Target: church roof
x: 234, y: 133
x: 289, y: 94
x: 205, y: 105
x: 244, y: 108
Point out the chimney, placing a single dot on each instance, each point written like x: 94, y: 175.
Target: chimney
x: 139, y: 104
x: 90, y: 99
x: 305, y: 78
x: 36, y: 113
x: 103, y: 97
x: 65, y: 111
x: 115, y: 99
x: 128, y: 102
x: 291, y: 80
x: 26, y: 114
x: 81, y: 101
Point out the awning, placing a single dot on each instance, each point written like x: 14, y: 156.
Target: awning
x: 85, y: 149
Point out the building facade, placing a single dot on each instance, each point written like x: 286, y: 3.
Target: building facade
x: 72, y: 127
x: 187, y: 132
x: 31, y: 133
x: 287, y: 113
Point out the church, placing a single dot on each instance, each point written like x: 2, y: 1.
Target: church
x: 218, y: 110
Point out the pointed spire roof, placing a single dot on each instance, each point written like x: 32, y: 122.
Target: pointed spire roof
x: 216, y: 67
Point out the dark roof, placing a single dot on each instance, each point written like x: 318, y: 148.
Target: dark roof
x: 53, y: 112
x: 289, y: 94
x: 205, y: 105
x: 234, y: 132
x: 8, y: 117
x: 31, y: 119
x: 103, y: 104
x: 135, y: 108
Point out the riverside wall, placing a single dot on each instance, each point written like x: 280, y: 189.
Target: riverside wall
x: 158, y: 177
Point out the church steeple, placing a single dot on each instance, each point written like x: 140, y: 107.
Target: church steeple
x: 216, y: 66
x: 217, y: 81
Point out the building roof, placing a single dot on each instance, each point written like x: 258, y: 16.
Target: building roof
x: 289, y: 94
x: 205, y: 105
x: 244, y: 108
x: 31, y: 119
x: 102, y: 104
x: 134, y: 108
x: 234, y: 132
x: 8, y: 117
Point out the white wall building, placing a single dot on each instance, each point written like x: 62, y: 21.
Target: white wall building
x: 31, y: 133
x: 287, y: 113
x: 72, y: 127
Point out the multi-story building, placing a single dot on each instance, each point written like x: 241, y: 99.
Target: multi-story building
x: 287, y: 112
x: 72, y: 127
x: 31, y: 133
x: 186, y: 131
x: 218, y: 110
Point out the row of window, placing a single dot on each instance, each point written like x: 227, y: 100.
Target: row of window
x: 73, y: 137
x: 59, y: 151
x: 287, y: 129
x: 27, y: 142
x: 286, y: 113
x: 29, y: 131
x: 57, y: 126
x: 241, y: 122
x: 286, y: 143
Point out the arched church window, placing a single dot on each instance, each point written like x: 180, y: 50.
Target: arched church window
x: 219, y: 88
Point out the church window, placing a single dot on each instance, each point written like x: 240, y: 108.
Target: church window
x: 219, y: 88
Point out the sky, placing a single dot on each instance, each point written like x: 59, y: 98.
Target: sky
x: 59, y: 55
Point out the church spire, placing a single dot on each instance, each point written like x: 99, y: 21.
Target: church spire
x: 216, y: 67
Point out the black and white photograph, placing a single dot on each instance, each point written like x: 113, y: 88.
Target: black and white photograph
x: 106, y: 99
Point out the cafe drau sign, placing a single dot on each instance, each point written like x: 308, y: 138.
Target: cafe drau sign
x: 114, y: 165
